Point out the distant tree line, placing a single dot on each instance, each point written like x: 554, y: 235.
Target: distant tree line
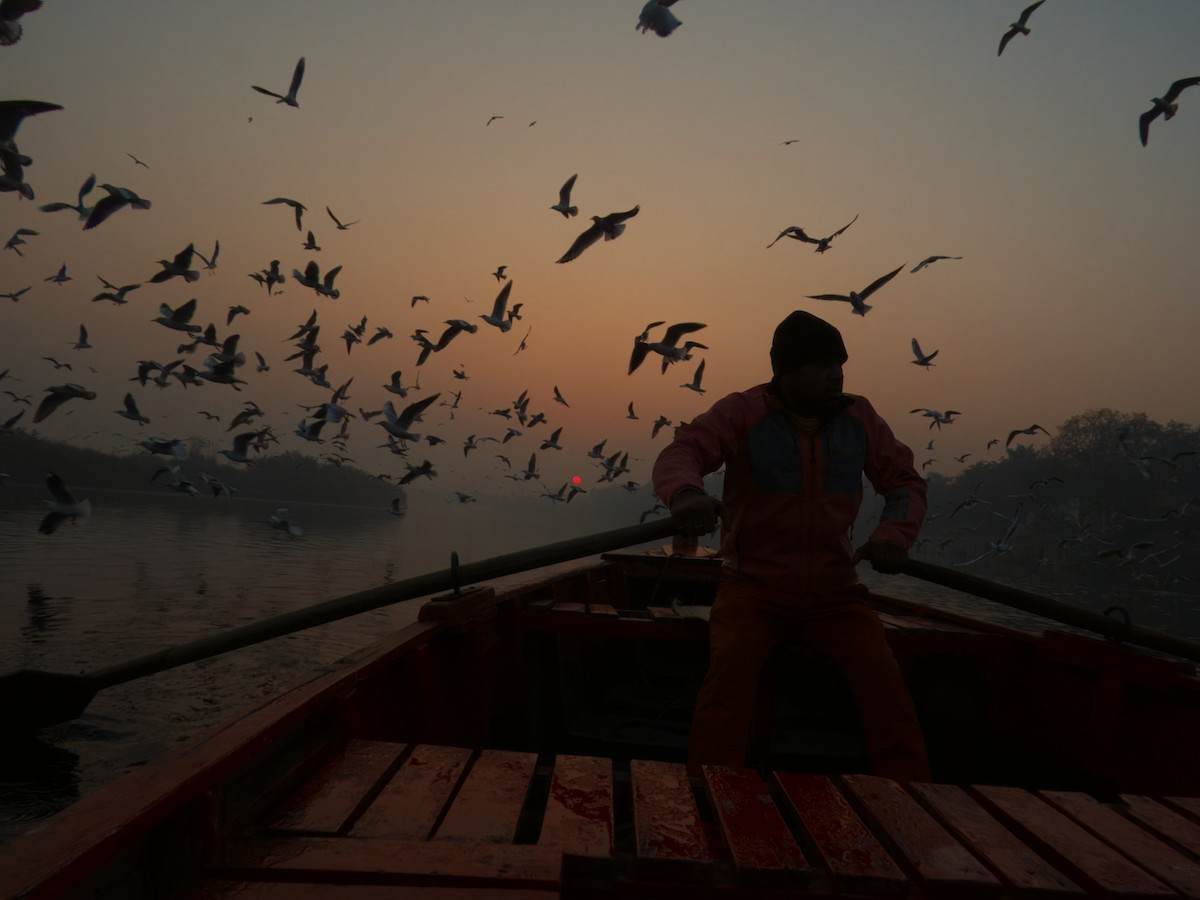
x: 277, y: 475
x: 1111, y: 495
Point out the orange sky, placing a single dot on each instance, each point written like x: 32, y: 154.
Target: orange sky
x: 1076, y: 289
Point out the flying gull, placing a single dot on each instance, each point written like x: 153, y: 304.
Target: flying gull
x: 311, y: 278
x: 694, y: 384
x: 18, y: 238
x: 1032, y: 429
x: 290, y: 97
x: 497, y: 316
x: 921, y: 358
x: 296, y: 205
x: 400, y: 424
x: 342, y: 226
x: 58, y: 395
x: 83, y: 211
x: 1018, y: 27
x: 11, y: 12
x: 668, y: 347
x: 929, y: 260
x: 656, y: 16
x: 857, y: 299
x: 608, y: 227
x: 796, y: 233
x: 564, y: 199
x: 1164, y: 106
x: 118, y: 198
x: 64, y: 506
x: 179, y: 267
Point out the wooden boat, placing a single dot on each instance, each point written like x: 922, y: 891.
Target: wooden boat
x: 525, y: 739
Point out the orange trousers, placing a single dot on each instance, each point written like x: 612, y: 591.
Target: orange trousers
x: 750, y: 620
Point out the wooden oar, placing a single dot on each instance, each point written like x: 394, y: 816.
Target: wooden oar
x: 31, y: 699
x: 1116, y: 629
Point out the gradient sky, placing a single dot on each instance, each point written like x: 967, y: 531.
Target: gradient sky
x: 1077, y: 287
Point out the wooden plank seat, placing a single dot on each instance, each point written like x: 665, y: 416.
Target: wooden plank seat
x: 489, y: 802
x: 579, y: 809
x: 1014, y: 861
x: 670, y: 837
x: 760, y: 843
x: 328, y: 799
x: 849, y: 851
x: 411, y: 803
x: 450, y: 823
x: 1165, y: 822
x: 1069, y: 846
x: 1164, y: 862
x: 923, y: 845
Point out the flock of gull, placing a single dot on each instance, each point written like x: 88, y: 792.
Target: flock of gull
x: 404, y: 425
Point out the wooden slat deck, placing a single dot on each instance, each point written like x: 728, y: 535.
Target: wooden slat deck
x: 386, y: 819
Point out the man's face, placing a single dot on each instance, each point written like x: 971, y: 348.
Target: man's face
x: 813, y: 388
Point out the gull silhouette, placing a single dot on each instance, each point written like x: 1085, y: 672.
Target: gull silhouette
x: 290, y: 97
x: 857, y: 299
x: 58, y: 395
x: 608, y: 227
x: 338, y: 222
x: 118, y: 198
x: 1032, y: 429
x: 694, y: 384
x: 796, y: 233
x: 564, y: 199
x: 83, y: 211
x: 296, y: 205
x: 1164, y: 106
x: 497, y: 316
x: 921, y: 358
x: 1018, y: 27
x: 179, y: 267
x: 64, y: 506
x: 657, y: 17
x: 10, y: 13
x: 667, y: 347
x: 929, y: 260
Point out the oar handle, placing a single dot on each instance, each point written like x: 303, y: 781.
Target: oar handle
x: 395, y: 592
x: 1053, y: 609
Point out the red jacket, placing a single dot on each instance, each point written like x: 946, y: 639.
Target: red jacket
x: 792, y: 497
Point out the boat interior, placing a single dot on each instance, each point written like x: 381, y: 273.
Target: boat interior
x: 526, y: 738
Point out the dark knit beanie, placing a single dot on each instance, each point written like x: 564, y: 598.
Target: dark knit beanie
x: 803, y: 338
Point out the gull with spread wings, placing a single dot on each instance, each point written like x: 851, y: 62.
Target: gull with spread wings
x: 64, y: 506
x: 922, y: 359
x: 1021, y: 26
x: 1164, y: 106
x: 857, y: 299
x: 118, y: 198
x: 796, y: 233
x: 668, y: 347
x: 608, y: 227
x: 564, y: 199
x: 399, y: 425
x: 290, y: 97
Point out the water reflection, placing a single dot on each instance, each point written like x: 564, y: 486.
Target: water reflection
x: 45, y: 614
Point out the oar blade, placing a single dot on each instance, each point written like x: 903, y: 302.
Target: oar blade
x: 30, y: 699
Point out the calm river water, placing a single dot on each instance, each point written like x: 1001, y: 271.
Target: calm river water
x: 153, y: 570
